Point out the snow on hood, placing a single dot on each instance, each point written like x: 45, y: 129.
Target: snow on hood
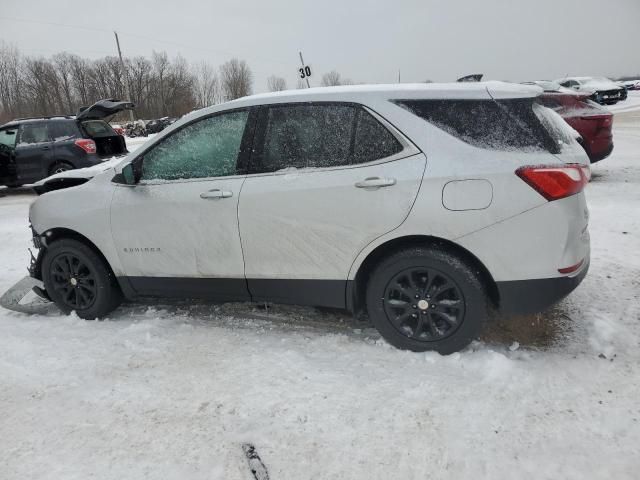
x: 88, y: 172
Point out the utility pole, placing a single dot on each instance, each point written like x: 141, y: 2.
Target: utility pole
x: 399, y: 76
x: 124, y: 75
x: 306, y: 76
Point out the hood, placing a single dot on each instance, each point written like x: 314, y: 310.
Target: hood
x: 596, y: 85
x: 102, y: 109
x: 71, y: 178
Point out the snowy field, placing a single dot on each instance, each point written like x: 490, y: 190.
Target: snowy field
x: 173, y: 391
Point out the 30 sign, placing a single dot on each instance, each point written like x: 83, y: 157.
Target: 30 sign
x: 304, y: 71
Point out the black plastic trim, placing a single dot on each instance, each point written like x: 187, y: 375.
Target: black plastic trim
x: 221, y: 289
x: 320, y: 293
x: 534, y: 296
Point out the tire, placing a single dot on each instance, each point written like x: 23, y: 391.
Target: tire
x: 450, y: 311
x: 59, y: 167
x: 77, y: 279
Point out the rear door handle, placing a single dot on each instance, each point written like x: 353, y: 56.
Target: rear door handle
x: 216, y: 193
x: 46, y: 148
x: 376, y: 182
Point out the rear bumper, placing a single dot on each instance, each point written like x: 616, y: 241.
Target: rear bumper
x: 599, y: 149
x: 533, y: 296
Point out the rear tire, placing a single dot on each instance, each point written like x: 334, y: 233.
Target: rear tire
x: 77, y: 279
x: 423, y: 299
x: 60, y: 167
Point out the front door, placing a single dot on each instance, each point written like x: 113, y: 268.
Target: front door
x: 176, y: 231
x: 8, y: 137
x: 325, y: 181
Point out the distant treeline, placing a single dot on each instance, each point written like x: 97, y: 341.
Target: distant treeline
x: 159, y: 86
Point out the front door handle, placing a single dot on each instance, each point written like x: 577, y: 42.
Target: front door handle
x: 46, y: 148
x: 376, y: 182
x: 216, y: 193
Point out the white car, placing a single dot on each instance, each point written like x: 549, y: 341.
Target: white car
x: 424, y: 206
x: 604, y: 91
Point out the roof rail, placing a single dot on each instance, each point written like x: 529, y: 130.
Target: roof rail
x: 43, y: 118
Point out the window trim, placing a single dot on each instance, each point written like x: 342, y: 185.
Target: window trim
x: 246, y: 144
x: 409, y: 149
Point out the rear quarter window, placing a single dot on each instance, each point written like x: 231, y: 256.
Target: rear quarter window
x: 495, y: 125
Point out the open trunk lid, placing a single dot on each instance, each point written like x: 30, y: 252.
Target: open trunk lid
x: 103, y: 108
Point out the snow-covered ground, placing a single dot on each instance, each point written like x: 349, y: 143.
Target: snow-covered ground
x: 632, y: 103
x: 173, y: 391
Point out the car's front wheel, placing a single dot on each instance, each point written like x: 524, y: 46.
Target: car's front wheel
x: 426, y: 299
x: 77, y: 279
x: 60, y: 167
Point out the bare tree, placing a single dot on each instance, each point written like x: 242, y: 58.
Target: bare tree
x: 236, y: 79
x: 206, y: 85
x: 301, y: 84
x: 276, y: 84
x: 333, y: 78
x: 159, y: 86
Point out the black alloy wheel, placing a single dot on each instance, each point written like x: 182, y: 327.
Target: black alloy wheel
x: 75, y: 282
x: 427, y: 298
x: 77, y: 278
x: 424, y: 304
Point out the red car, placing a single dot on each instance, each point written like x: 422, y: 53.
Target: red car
x: 590, y: 120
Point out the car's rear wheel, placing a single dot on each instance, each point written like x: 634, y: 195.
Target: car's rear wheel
x: 427, y: 299
x: 77, y: 279
x: 60, y: 167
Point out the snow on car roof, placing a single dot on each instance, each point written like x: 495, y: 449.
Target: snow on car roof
x: 462, y: 90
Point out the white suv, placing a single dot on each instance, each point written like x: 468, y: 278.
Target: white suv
x: 423, y: 206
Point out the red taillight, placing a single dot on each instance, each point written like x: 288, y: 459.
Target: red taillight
x: 572, y: 268
x: 555, y: 182
x: 605, y: 120
x: 87, y: 145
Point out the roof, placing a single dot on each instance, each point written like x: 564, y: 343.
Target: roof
x: 468, y: 90
x: 19, y: 121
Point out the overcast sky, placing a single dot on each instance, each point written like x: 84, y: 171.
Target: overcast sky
x: 366, y: 41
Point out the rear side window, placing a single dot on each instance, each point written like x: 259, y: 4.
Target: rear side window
x: 98, y: 128
x: 63, y: 130
x: 304, y: 136
x: 31, y: 133
x: 321, y: 135
x: 495, y: 125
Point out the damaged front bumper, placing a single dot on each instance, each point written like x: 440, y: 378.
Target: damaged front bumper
x: 27, y: 296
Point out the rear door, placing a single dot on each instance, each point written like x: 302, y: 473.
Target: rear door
x: 325, y: 180
x: 34, y: 152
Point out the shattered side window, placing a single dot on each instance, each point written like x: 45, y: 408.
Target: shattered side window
x: 207, y: 148
x: 306, y: 136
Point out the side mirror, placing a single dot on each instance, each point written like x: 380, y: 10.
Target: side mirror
x: 127, y: 176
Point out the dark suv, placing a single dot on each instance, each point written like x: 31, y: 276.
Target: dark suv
x: 34, y: 148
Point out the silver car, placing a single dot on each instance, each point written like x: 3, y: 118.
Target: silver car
x: 424, y: 207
